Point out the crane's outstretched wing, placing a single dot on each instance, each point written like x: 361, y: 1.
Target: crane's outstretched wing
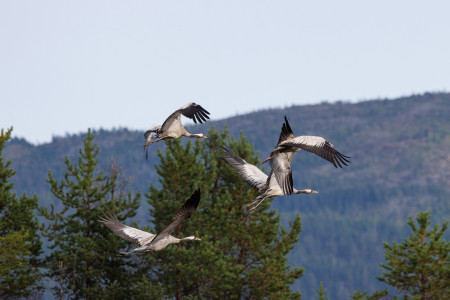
x: 191, y: 110
x: 317, y: 145
x: 285, y: 134
x: 250, y: 173
x: 128, y: 233
x: 182, y: 214
x: 195, y: 112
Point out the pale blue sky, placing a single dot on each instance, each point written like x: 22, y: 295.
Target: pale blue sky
x: 69, y: 65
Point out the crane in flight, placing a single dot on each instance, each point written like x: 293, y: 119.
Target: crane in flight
x: 149, y: 241
x: 172, y: 127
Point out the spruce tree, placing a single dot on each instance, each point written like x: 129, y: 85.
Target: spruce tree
x: 321, y: 292
x: 20, y: 244
x: 84, y: 259
x: 241, y: 255
x: 420, y: 265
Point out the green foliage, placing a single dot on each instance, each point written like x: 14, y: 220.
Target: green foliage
x: 321, y: 292
x: 20, y: 245
x: 420, y: 265
x: 240, y: 255
x: 399, y: 151
x: 84, y: 259
x: 358, y: 295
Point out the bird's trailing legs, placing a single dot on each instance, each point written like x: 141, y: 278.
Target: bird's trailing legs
x: 257, y: 204
x: 260, y: 199
x: 257, y: 199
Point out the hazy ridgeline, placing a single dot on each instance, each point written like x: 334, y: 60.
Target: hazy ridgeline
x: 400, y: 166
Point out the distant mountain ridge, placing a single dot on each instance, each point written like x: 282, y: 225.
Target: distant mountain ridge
x: 400, y: 165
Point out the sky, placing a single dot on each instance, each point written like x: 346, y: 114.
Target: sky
x: 66, y: 66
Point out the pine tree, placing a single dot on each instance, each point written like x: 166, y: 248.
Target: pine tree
x: 241, y: 255
x: 20, y: 245
x: 420, y: 265
x: 84, y: 259
x: 321, y: 292
x: 358, y: 295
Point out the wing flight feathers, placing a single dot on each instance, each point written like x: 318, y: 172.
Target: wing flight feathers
x: 286, y: 131
x: 318, y: 146
x: 182, y: 214
x: 281, y: 167
x: 128, y: 233
x: 195, y: 112
x: 248, y: 172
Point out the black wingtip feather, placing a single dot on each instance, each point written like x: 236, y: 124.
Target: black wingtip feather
x: 227, y: 151
x: 291, y: 184
x: 287, y: 125
x: 346, y: 158
x: 204, y: 113
x: 342, y: 159
x: 201, y: 118
x: 336, y: 159
x: 286, y: 131
x: 194, y: 200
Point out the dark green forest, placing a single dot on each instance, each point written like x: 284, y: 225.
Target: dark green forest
x: 400, y: 166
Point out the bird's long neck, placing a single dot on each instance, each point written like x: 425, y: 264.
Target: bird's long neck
x: 197, y: 135
x: 194, y: 135
x: 186, y: 239
x: 305, y: 191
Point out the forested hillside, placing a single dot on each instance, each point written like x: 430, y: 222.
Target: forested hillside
x: 400, y: 166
